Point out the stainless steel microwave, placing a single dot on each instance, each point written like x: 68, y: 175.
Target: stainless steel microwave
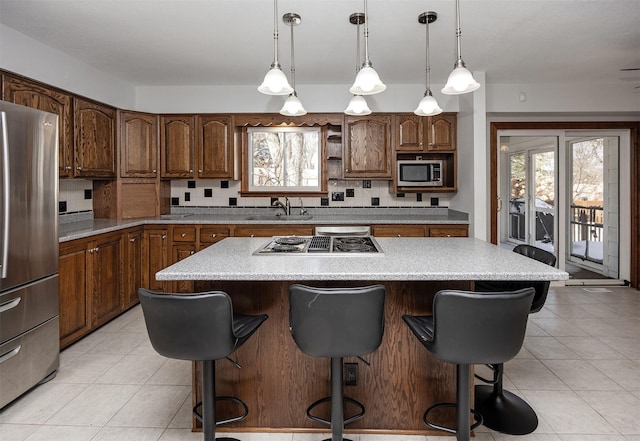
x: 419, y: 173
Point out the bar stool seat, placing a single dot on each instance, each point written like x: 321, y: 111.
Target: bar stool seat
x: 502, y: 410
x: 335, y: 323
x: 199, y: 327
x: 469, y: 328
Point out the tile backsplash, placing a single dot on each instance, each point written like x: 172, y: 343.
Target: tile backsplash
x: 75, y: 196
x: 216, y: 193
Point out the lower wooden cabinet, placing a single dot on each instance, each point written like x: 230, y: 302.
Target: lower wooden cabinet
x: 155, y: 257
x: 75, y: 311
x: 398, y: 230
x: 90, y: 274
x: 132, y: 268
x: 273, y: 230
x: 448, y: 230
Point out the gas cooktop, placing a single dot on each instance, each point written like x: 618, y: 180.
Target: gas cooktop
x: 332, y: 245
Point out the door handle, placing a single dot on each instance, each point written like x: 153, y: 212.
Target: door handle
x: 12, y: 353
x: 10, y: 304
x: 499, y: 204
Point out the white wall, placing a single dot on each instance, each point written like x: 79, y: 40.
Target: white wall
x: 25, y: 56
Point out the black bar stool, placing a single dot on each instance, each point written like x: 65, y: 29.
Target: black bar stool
x: 336, y: 323
x: 504, y: 411
x: 469, y: 328
x: 199, y: 327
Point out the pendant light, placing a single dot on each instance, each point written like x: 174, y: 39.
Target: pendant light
x: 428, y: 105
x: 292, y: 106
x: 358, y: 105
x: 460, y: 80
x: 275, y: 81
x: 367, y: 80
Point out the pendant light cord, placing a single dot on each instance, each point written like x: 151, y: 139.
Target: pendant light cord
x: 367, y: 63
x: 275, y: 34
x: 293, y: 65
x: 428, y: 67
x: 458, y: 29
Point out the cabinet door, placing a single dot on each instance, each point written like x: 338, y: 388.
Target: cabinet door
x: 75, y: 312
x: 29, y: 94
x: 214, y: 146
x: 138, y: 145
x: 176, y: 146
x: 441, y: 132
x: 182, y: 251
x: 368, y: 147
x: 212, y: 234
x: 448, y: 231
x: 398, y: 230
x: 273, y: 230
x: 408, y: 133
x: 155, y: 258
x: 106, y: 262
x: 132, y: 268
x: 94, y: 128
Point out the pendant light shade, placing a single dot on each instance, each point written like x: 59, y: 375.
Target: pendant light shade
x: 460, y: 80
x: 358, y: 106
x: 367, y: 80
x: 292, y: 106
x: 275, y: 81
x: 428, y: 106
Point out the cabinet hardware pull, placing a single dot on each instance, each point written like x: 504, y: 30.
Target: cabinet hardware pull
x: 200, y: 171
x: 183, y: 234
x: 154, y: 170
x: 399, y: 235
x: 10, y: 304
x: 190, y: 171
x: 78, y: 168
x: 132, y: 240
x: 214, y: 235
x: 12, y: 353
x: 192, y: 252
x: 97, y: 249
x: 164, y: 236
x: 68, y: 167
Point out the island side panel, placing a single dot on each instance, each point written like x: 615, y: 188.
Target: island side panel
x: 278, y: 382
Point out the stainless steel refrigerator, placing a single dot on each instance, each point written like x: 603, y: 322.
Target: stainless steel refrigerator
x: 29, y: 329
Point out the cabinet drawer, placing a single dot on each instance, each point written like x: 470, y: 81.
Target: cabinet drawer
x: 27, y: 359
x: 398, y: 230
x: 27, y: 307
x: 213, y: 234
x: 449, y: 231
x: 184, y: 234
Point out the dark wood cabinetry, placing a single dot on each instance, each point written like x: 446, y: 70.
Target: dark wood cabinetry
x: 425, y: 133
x: 138, y: 145
x: 155, y: 256
x: 106, y: 259
x: 398, y: 230
x: 32, y: 94
x: 94, y: 130
x: 132, y: 268
x: 75, y: 311
x: 214, y: 146
x: 429, y: 138
x: 367, y: 149
x: 177, y: 146
x: 273, y: 230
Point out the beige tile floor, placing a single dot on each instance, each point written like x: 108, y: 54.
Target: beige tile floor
x: 579, y: 368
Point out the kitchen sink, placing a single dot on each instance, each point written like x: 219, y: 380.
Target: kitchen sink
x: 281, y: 217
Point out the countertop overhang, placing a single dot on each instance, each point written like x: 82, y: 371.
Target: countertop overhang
x: 404, y: 259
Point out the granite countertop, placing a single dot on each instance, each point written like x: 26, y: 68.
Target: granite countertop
x: 89, y: 227
x: 403, y: 259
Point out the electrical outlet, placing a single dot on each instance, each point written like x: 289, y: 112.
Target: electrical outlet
x: 337, y: 196
x: 351, y: 374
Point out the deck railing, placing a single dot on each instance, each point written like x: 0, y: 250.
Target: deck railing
x: 587, y: 226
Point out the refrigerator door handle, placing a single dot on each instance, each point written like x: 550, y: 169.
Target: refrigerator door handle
x: 10, y: 304
x: 4, y: 159
x: 12, y: 353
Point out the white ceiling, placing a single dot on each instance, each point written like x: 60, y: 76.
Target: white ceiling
x: 198, y: 42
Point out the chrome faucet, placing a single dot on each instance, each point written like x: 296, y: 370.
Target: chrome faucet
x: 286, y: 207
x: 303, y: 210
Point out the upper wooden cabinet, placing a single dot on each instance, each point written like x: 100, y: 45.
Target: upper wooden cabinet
x: 177, y: 144
x: 367, y: 149
x: 94, y: 127
x: 196, y: 146
x: 214, y: 146
x: 31, y: 94
x: 138, y: 145
x: 424, y: 134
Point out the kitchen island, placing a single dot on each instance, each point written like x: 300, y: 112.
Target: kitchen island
x: 402, y: 379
